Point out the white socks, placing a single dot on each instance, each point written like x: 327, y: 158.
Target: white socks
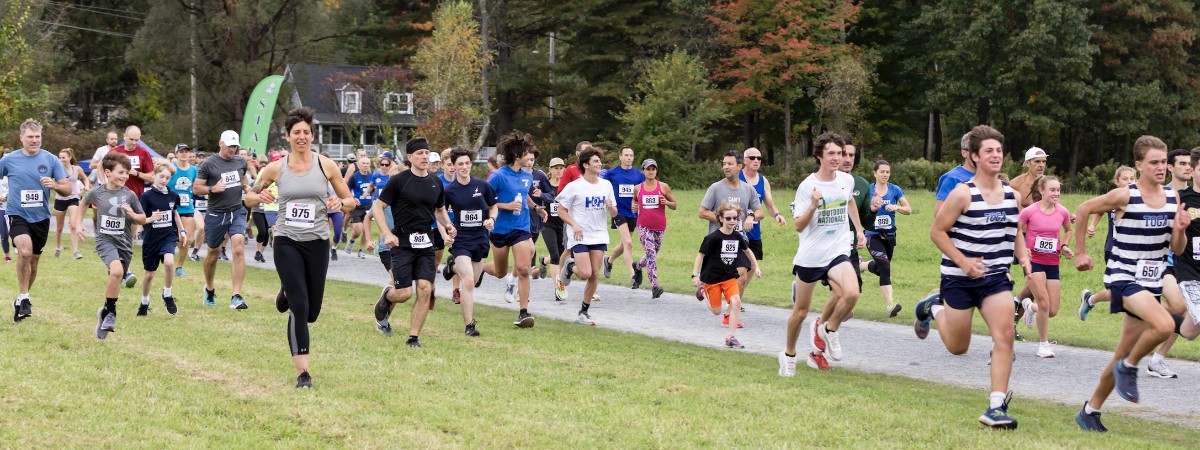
x: 934, y: 310
x: 166, y: 292
x: 1087, y: 409
x: 1156, y: 359
x: 996, y: 399
x: 145, y: 299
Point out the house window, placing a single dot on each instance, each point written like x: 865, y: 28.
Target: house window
x: 350, y: 103
x: 394, y: 103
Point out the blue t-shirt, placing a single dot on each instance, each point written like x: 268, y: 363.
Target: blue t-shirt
x: 380, y: 181
x: 624, y: 182
x: 27, y: 198
x: 885, y: 221
x: 471, y: 201
x: 181, y: 186
x: 445, y: 183
x: 154, y: 201
x: 950, y: 180
x: 360, y: 187
x: 755, y: 234
x: 510, y: 185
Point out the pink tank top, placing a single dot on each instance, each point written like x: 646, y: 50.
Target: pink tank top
x: 652, y: 212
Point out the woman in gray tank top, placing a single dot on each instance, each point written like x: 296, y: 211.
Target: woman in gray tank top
x: 301, y: 230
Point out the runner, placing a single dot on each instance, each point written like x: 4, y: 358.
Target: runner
x: 862, y: 196
x: 301, y: 238
x: 624, y: 179
x: 714, y: 268
x: 751, y: 175
x: 553, y: 232
x: 887, y: 199
x: 110, y: 142
x: 67, y: 206
x: 200, y: 203
x: 439, y: 241
x: 1041, y: 224
x: 140, y: 160
x: 1124, y: 176
x: 1035, y: 167
x: 976, y: 230
x: 161, y: 238
x: 181, y: 186
x: 360, y: 184
x: 416, y: 199
x: 1142, y: 235
x: 117, y: 208
x: 570, y: 173
x: 512, y: 226
x: 742, y: 195
x: 1187, y: 323
x: 32, y: 173
x: 475, y: 203
x: 650, y: 198
x: 585, y: 206
x: 223, y: 180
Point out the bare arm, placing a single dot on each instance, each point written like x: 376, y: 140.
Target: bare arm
x: 708, y: 215
x: 904, y: 207
x: 670, y: 197
x: 939, y: 233
x: 340, y: 189
x: 200, y: 187
x: 1115, y: 199
x: 768, y: 199
x: 266, y: 178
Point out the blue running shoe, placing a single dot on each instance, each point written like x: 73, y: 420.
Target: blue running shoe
x: 1089, y: 422
x: 210, y: 298
x: 1125, y: 378
x: 1085, y: 305
x: 237, y: 302
x: 924, y: 315
x: 179, y: 272
x: 998, y: 417
x: 130, y: 280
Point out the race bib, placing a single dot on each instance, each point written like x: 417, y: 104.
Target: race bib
x: 554, y: 209
x: 231, y: 179
x: 185, y: 199
x: 883, y: 222
x: 201, y: 204
x: 135, y: 162
x: 650, y: 201
x: 31, y: 198
x: 1044, y: 244
x: 1149, y: 271
x: 419, y: 240
x: 729, y: 250
x: 1191, y: 298
x: 164, y: 221
x: 300, y: 215
x: 112, y: 224
x: 625, y: 190
x: 471, y: 218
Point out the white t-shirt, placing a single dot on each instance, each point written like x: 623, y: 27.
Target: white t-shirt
x: 828, y: 235
x: 586, y: 202
x: 97, y: 160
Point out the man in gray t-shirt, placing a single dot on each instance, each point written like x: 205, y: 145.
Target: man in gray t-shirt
x: 223, y: 179
x: 731, y: 189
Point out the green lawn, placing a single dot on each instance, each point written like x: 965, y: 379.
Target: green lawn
x: 914, y: 271
x: 212, y: 377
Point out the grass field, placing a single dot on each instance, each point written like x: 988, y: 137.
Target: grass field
x: 914, y: 271
x: 212, y: 377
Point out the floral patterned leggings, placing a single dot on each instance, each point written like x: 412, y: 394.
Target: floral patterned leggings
x: 651, y: 242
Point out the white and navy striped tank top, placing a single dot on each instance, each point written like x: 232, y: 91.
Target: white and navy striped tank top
x: 985, y: 231
x: 1141, y: 240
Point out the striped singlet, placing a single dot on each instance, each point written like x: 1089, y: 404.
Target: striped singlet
x: 985, y: 231
x: 1141, y: 238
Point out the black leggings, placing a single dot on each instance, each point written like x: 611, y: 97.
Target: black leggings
x: 303, y: 283
x: 881, y: 247
x: 554, y: 243
x: 262, y: 232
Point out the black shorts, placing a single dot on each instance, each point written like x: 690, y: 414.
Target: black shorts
x: 412, y: 264
x: 37, y: 231
x: 438, y: 242
x: 511, y: 238
x: 187, y: 214
x: 62, y: 205
x: 477, y: 252
x: 1170, y: 270
x: 385, y: 258
x: 359, y: 214
x: 152, y: 252
x: 1122, y: 289
x: 966, y: 293
x: 815, y: 274
x: 584, y: 248
x: 1051, y: 271
x: 756, y: 248
x: 621, y: 221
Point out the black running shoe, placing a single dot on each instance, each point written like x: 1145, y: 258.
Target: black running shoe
x: 448, y: 269
x: 258, y: 256
x: 17, y: 312
x: 169, y: 303
x: 101, y: 333
x: 524, y: 320
x: 471, y: 331
x: 23, y: 311
x: 281, y: 302
x: 333, y: 254
x: 383, y: 309
x: 1125, y: 378
x: 637, y: 277
x: 413, y: 341
x: 924, y: 315
x: 304, y: 381
x: 656, y: 292
x: 479, y: 280
x: 1089, y: 422
x: 224, y: 256
x: 143, y: 309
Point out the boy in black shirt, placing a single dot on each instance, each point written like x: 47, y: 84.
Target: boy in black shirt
x: 163, y: 234
x: 715, y: 267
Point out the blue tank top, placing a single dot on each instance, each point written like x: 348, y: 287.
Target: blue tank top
x: 755, y: 234
x: 181, y: 186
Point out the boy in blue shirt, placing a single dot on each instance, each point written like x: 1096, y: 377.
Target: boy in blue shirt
x: 161, y: 237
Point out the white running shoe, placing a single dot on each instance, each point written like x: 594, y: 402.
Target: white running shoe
x: 1045, y: 350
x: 585, y: 319
x: 1160, y: 370
x: 787, y: 365
x: 560, y: 292
x: 510, y: 289
x: 833, y: 346
x: 1030, y: 314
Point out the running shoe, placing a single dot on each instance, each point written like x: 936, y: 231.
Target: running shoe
x: 725, y: 321
x: 383, y: 309
x: 237, y: 302
x: 259, y: 257
x: 818, y: 344
x: 510, y: 290
x: 333, y: 254
x: 1018, y: 309
x: 585, y: 319
x: 1125, y: 378
x: 304, y: 381
x: 998, y: 418
x: 656, y: 292
x: 1030, y: 314
x: 224, y: 256
x: 470, y: 330
x: 560, y: 292
x: 448, y: 269
x: 817, y: 361
x: 109, y: 323
x: 787, y: 365
x: 479, y: 279
x: 1017, y: 335
x: 607, y: 267
x: 26, y: 309
x: 210, y: 298
x: 17, y: 311
x: 143, y: 309
x: 701, y: 294
x: 281, y: 303
x: 78, y: 255
x: 101, y: 332
x: 1085, y: 307
x: 595, y: 297
x: 833, y: 344
x: 130, y: 280
x: 195, y: 256
x: 57, y: 252
x: 1160, y: 370
x: 637, y: 277
x: 413, y: 342
x: 543, y: 270
x: 524, y: 320
x: 894, y: 310
x: 1089, y: 422
x: 179, y: 272
x: 169, y: 304
x: 349, y: 246
x: 1045, y: 350
x: 456, y: 297
x: 7, y: 258
x: 924, y: 314
x: 732, y: 342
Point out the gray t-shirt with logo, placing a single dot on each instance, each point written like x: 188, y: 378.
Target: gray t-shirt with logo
x: 744, y: 196
x: 113, y: 227
x: 229, y: 172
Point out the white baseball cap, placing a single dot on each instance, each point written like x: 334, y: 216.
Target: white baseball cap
x: 434, y: 157
x: 230, y: 138
x: 1034, y: 153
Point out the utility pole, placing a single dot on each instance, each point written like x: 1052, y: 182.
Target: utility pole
x: 553, y: 106
x: 192, y: 75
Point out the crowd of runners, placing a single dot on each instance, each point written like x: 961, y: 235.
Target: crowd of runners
x: 424, y: 209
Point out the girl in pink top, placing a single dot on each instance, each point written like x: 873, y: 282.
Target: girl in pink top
x: 1042, y: 222
x: 651, y: 198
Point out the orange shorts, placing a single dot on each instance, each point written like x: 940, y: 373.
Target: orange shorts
x: 728, y: 288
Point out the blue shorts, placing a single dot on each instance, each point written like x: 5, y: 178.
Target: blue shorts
x: 815, y: 274
x: 152, y: 252
x: 477, y: 251
x: 584, y: 248
x: 511, y: 238
x: 271, y: 216
x: 966, y: 293
x: 1122, y: 289
x: 1051, y: 270
x: 217, y: 225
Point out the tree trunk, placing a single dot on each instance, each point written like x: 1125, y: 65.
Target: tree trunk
x: 747, y: 130
x: 937, y: 136
x: 787, y: 133
x: 929, y: 138
x: 1073, y: 152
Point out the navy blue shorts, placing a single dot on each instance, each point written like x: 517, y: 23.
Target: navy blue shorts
x: 1051, y: 271
x: 217, y: 225
x: 966, y: 293
x: 152, y: 252
x: 584, y: 248
x: 477, y: 252
x: 815, y: 274
x: 1122, y: 289
x: 511, y: 238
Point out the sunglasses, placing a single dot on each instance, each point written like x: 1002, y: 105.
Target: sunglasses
x: 756, y: 158
x: 730, y: 218
x: 385, y: 165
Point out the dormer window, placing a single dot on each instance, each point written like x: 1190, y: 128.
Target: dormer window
x: 398, y: 103
x: 350, y: 102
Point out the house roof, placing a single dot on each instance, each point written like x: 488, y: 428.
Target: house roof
x: 318, y: 87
